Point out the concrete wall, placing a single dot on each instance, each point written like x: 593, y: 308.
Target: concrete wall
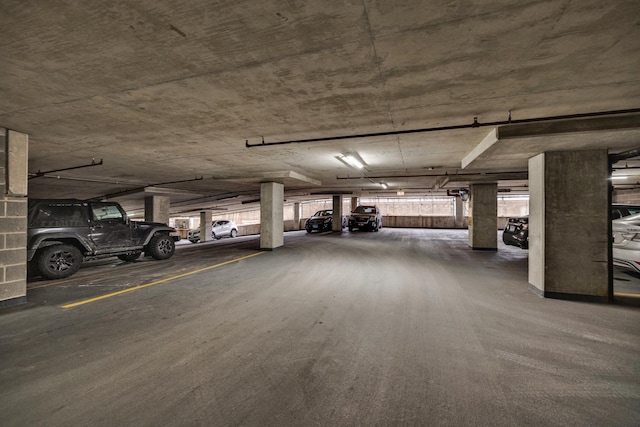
x: 387, y: 221
x: 422, y: 222
x: 628, y: 197
x: 13, y: 217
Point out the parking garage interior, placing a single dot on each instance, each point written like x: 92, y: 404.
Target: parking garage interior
x: 198, y: 111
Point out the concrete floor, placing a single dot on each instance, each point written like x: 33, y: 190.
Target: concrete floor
x: 399, y: 327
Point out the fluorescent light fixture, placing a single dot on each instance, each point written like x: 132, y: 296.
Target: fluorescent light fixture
x: 385, y: 186
x: 351, y: 161
x: 619, y: 177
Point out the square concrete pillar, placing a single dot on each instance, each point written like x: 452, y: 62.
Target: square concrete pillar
x: 354, y: 203
x: 483, y: 221
x: 157, y: 209
x: 569, y: 234
x: 296, y: 216
x: 206, y: 226
x: 337, y: 214
x: 459, y: 213
x: 13, y: 217
x: 271, y: 215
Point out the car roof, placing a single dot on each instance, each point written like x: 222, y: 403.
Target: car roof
x: 635, y: 218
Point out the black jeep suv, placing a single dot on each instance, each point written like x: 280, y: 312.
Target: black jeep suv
x: 516, y: 232
x: 63, y: 233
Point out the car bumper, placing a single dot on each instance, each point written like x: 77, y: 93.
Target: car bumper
x: 362, y: 224
x: 318, y: 227
x: 627, y: 258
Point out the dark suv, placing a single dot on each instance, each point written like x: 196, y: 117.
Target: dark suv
x: 365, y: 217
x: 322, y: 221
x: 63, y: 233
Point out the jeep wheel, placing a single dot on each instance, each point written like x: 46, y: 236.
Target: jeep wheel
x: 58, y: 261
x: 161, y: 246
x: 130, y: 257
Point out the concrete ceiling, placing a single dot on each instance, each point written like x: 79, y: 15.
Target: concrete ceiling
x: 163, y: 91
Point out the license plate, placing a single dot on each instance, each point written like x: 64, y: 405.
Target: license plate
x: 361, y: 223
x: 315, y: 225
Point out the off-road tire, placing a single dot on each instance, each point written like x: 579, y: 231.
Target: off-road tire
x: 58, y: 261
x: 161, y: 246
x: 130, y: 257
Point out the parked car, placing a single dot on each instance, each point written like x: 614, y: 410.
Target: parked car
x: 61, y: 234
x: 516, y: 232
x: 619, y: 210
x: 219, y: 229
x: 626, y: 242
x: 365, y: 217
x: 322, y: 221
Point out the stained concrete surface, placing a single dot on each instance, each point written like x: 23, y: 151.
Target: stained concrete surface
x: 399, y: 327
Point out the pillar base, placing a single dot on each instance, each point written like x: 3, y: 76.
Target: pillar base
x: 569, y: 297
x: 13, y: 302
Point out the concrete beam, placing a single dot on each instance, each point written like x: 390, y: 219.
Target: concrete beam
x: 509, y: 144
x: 555, y: 127
x: 487, y: 143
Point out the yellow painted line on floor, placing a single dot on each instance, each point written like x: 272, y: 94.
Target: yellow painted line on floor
x: 157, y: 282
x: 622, y: 294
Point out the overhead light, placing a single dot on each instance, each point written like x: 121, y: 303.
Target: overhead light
x: 350, y: 160
x: 400, y: 193
x: 385, y: 186
x: 619, y: 177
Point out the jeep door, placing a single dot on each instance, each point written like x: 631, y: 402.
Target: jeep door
x: 110, y: 230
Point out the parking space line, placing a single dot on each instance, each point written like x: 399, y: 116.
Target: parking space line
x: 622, y: 294
x: 157, y: 282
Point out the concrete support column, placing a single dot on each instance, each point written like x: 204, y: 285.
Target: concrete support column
x: 483, y: 220
x: 296, y: 216
x: 13, y: 217
x: 206, y: 219
x: 459, y: 215
x: 271, y: 215
x: 156, y: 209
x: 354, y: 203
x: 569, y: 234
x: 337, y: 214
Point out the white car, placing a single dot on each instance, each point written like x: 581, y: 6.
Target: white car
x: 219, y: 229
x: 626, y: 242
